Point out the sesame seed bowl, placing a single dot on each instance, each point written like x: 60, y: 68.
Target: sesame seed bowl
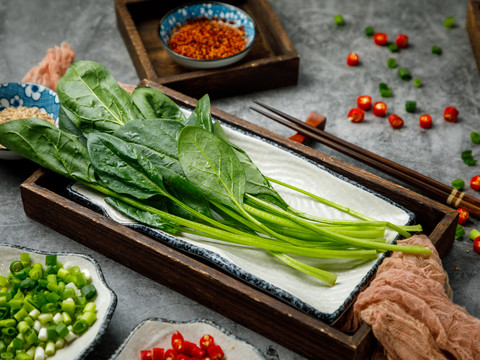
x: 185, y: 34
x: 29, y: 99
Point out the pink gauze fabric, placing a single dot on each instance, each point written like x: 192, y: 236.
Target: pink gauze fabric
x: 52, y: 67
x: 409, y: 307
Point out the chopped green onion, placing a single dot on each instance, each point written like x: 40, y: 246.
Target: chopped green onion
x: 411, y: 106
x: 391, y: 63
x: 386, y: 92
x: 459, y: 232
x: 369, y: 31
x: 467, y: 158
x: 475, y: 136
x: 417, y: 82
x: 89, y: 291
x: 437, y: 50
x: 404, y: 73
x: 393, y: 47
x: 339, y: 20
x: 51, y: 260
x: 25, y: 259
x: 449, y: 22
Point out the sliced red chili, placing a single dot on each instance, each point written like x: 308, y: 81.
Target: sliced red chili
x: 182, y: 357
x: 401, y: 41
x: 356, y: 115
x: 177, y: 341
x: 206, y: 341
x: 426, y: 121
x: 187, y: 348
x: 198, y: 353
x: 450, y: 114
x: 463, y: 216
x: 364, y: 102
x: 395, y: 121
x: 380, y: 38
x: 476, y: 245
x: 158, y: 354
x: 145, y: 354
x: 380, y: 108
x: 170, y: 354
x: 475, y: 183
x: 353, y: 59
x: 215, y: 352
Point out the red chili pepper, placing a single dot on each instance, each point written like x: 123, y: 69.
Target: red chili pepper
x: 380, y: 39
x: 380, y: 108
x: 425, y: 121
x: 206, y: 341
x: 396, y: 121
x: 313, y: 119
x: 187, y: 348
x: 401, y: 41
x: 364, y: 102
x: 145, y: 354
x: 177, y: 341
x: 476, y: 245
x: 182, y: 357
x: 353, y: 59
x: 356, y: 115
x: 198, y: 353
x: 463, y: 216
x: 158, y: 354
x: 170, y: 354
x: 475, y: 183
x: 215, y: 352
x: 450, y: 114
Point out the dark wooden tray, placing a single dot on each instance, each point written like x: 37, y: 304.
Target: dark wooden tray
x: 44, y: 200
x: 273, y: 61
x: 473, y: 28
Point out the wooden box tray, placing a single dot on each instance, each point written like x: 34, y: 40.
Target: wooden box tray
x: 273, y: 61
x: 473, y: 28
x: 45, y: 200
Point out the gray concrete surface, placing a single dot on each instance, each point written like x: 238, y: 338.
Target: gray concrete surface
x: 326, y: 85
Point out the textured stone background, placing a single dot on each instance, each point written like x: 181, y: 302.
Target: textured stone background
x: 326, y: 85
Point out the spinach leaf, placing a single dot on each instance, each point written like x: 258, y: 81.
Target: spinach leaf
x: 210, y: 164
x: 156, y: 139
x: 94, y: 99
x: 48, y: 146
x: 153, y: 104
x: 143, y: 216
x: 256, y: 184
x: 122, y: 168
x: 202, y: 114
x: 65, y: 123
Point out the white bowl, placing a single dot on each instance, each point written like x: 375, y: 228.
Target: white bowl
x: 208, y: 9
x: 29, y: 95
x: 105, y: 301
x: 157, y: 332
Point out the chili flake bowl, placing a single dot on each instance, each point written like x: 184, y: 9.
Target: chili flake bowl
x: 105, y: 301
x: 225, y: 13
x: 156, y: 332
x: 28, y: 95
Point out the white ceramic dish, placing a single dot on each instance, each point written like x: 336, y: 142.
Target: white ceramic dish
x: 256, y: 266
x: 105, y: 301
x: 208, y: 9
x: 28, y: 95
x: 156, y: 332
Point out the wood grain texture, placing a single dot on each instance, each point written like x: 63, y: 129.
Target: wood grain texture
x: 44, y: 200
x: 273, y: 61
x: 473, y: 28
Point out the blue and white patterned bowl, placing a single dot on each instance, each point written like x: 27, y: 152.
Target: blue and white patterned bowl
x: 210, y: 10
x: 29, y: 95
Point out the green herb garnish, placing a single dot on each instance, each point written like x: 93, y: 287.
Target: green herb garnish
x: 437, y: 50
x: 392, y: 63
x: 369, y: 31
x: 449, y: 22
x: 339, y: 20
x: 411, y: 106
x: 458, y: 184
x: 393, y: 47
x: 417, y: 82
x: 404, y: 73
x: 459, y: 232
x: 467, y: 158
x: 475, y: 136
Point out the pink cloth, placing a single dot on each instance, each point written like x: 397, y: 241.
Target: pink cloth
x: 52, y: 67
x: 411, y: 314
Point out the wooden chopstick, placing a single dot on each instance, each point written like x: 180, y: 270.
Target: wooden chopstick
x: 432, y: 187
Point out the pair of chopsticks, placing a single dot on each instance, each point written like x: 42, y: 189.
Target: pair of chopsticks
x: 433, y: 188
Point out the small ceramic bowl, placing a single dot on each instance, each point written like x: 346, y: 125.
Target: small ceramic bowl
x: 210, y: 10
x: 28, y: 95
x: 105, y: 301
x: 157, y: 332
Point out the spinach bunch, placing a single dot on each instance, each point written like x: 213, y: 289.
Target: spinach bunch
x: 181, y: 174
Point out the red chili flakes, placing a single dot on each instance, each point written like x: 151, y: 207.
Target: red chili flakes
x: 206, y: 39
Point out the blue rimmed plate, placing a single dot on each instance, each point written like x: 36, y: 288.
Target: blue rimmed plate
x: 105, y: 302
x: 156, y: 332
x: 256, y: 266
x: 230, y: 14
x: 28, y: 95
